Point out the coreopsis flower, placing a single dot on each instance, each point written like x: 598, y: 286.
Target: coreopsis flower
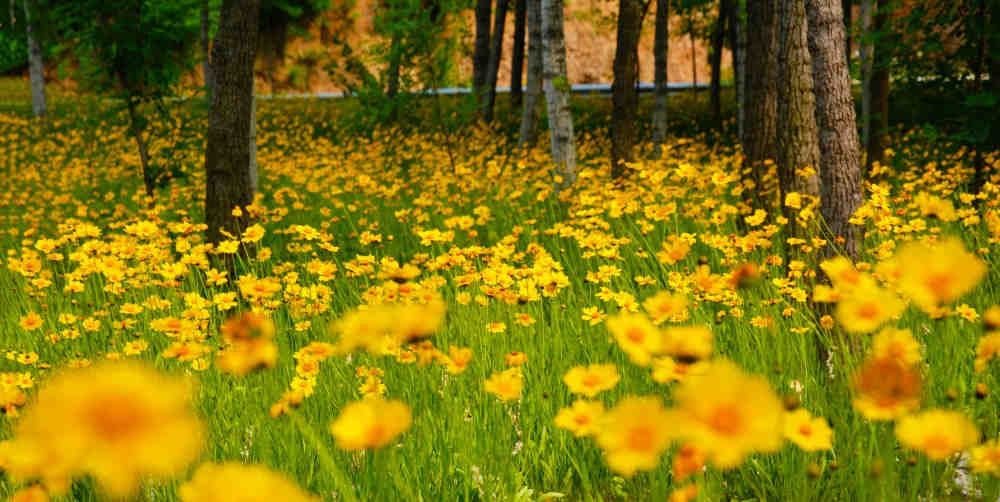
x: 886, y: 388
x: 729, y: 414
x: 688, y: 344
x: 33, y: 493
x: 370, y: 423
x: 985, y: 458
x: 986, y: 350
x: 582, y: 418
x: 897, y: 344
x: 666, y: 369
x: 937, y: 433
x: 665, y: 306
x: 940, y: 274
x: 868, y: 307
x: 688, y: 460
x: 506, y: 385
x: 458, y: 359
x: 808, y: 432
x: 515, y: 358
x: 637, y: 336
x: 31, y: 321
x: 236, y: 482
x: 634, y: 434
x: 686, y: 493
x: 119, y: 422
x: 250, y: 339
x: 591, y: 380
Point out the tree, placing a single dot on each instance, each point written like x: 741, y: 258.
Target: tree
x: 661, y: 41
x: 879, y: 92
x: 838, y: 133
x: 206, y: 67
x: 867, y: 61
x: 738, y: 43
x: 557, y: 91
x: 624, y: 95
x: 798, y: 137
x: 517, y: 57
x: 496, y: 51
x: 36, y: 66
x: 481, y: 51
x: 761, y: 113
x: 227, y: 154
x: 533, y: 87
x: 715, y: 60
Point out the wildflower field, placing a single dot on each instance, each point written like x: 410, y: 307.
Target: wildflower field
x: 417, y: 315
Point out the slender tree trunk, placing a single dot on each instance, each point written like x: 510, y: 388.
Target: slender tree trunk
x: 481, y: 52
x: 557, y: 91
x: 624, y: 95
x: 529, y: 118
x: 798, y: 136
x: 761, y: 115
x: 838, y: 132
x: 137, y: 128
x: 228, y: 154
x: 694, y: 64
x: 878, y: 135
x: 517, y: 58
x: 661, y: 46
x: 392, y: 73
x: 254, y: 178
x: 36, y: 66
x: 867, y: 62
x: 715, y: 61
x: 206, y: 65
x: 738, y: 41
x: 496, y: 52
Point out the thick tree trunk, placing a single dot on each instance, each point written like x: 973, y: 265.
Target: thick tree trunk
x: 533, y: 86
x: 715, y: 61
x: 661, y: 46
x: 517, y: 58
x: 228, y: 154
x: 206, y: 65
x: 624, y: 95
x: 481, y: 52
x: 761, y: 111
x: 496, y: 52
x: 738, y: 42
x: 848, y: 10
x: 36, y: 67
x: 878, y: 135
x: 798, y: 137
x: 867, y: 55
x: 557, y: 93
x: 838, y: 133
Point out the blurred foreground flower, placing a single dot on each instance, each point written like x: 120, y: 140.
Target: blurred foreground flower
x: 235, y: 482
x: 250, y: 344
x: 371, y: 423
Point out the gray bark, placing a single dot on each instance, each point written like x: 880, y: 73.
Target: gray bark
x: 533, y: 86
x: 36, y: 66
x: 761, y: 97
x: 557, y: 92
x: 661, y: 47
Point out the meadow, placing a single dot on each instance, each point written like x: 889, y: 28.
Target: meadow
x: 657, y: 339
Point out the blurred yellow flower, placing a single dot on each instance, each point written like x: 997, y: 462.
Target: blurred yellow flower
x: 808, y: 432
x: 582, y: 418
x: 937, y: 433
x: 634, y: 434
x: 591, y: 380
x: 236, y: 482
x: 370, y: 423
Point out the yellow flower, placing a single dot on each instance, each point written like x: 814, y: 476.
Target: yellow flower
x: 937, y: 433
x: 582, y: 418
x: 688, y: 344
x: 31, y: 322
x: 808, y: 433
x: 635, y: 434
x: 867, y: 308
x: 886, y: 389
x: 33, y: 493
x: 253, y: 233
x: 637, y: 336
x: 665, y: 306
x: 897, y: 344
x: 936, y: 275
x: 506, y: 385
x: 591, y: 380
x: 236, y: 482
x: 370, y: 423
x: 729, y: 414
x: 120, y: 422
x: 458, y: 359
x: 666, y: 369
x: 987, y: 349
x: 251, y: 344
x: 985, y: 458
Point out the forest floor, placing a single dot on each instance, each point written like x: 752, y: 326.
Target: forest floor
x: 454, y: 234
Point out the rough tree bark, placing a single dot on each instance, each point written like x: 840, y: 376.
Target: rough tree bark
x: 557, y: 93
x: 761, y: 111
x: 624, y: 95
x: 879, y: 119
x: 206, y: 65
x: 848, y: 10
x: 715, y: 61
x: 798, y: 137
x: 227, y: 155
x: 838, y: 133
x: 738, y: 42
x: 481, y: 51
x: 496, y: 52
x: 661, y: 46
x: 533, y: 86
x: 867, y: 60
x: 36, y: 67
x: 517, y: 58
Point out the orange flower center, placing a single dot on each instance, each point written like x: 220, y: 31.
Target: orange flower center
x: 726, y: 421
x: 640, y: 438
x: 115, y: 417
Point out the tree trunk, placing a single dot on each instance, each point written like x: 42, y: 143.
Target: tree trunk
x: 481, y: 52
x: 715, y: 61
x: 798, y: 137
x: 517, y: 58
x: 694, y: 64
x: 877, y: 135
x: 496, y: 52
x: 867, y: 60
x: 557, y: 93
x: 206, y: 66
x: 254, y: 181
x: 661, y: 46
x: 848, y: 10
x: 738, y: 42
x: 392, y: 73
x: 228, y: 155
x: 624, y: 95
x: 533, y: 86
x: 137, y: 128
x: 761, y: 113
x: 838, y: 132
x: 36, y: 66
